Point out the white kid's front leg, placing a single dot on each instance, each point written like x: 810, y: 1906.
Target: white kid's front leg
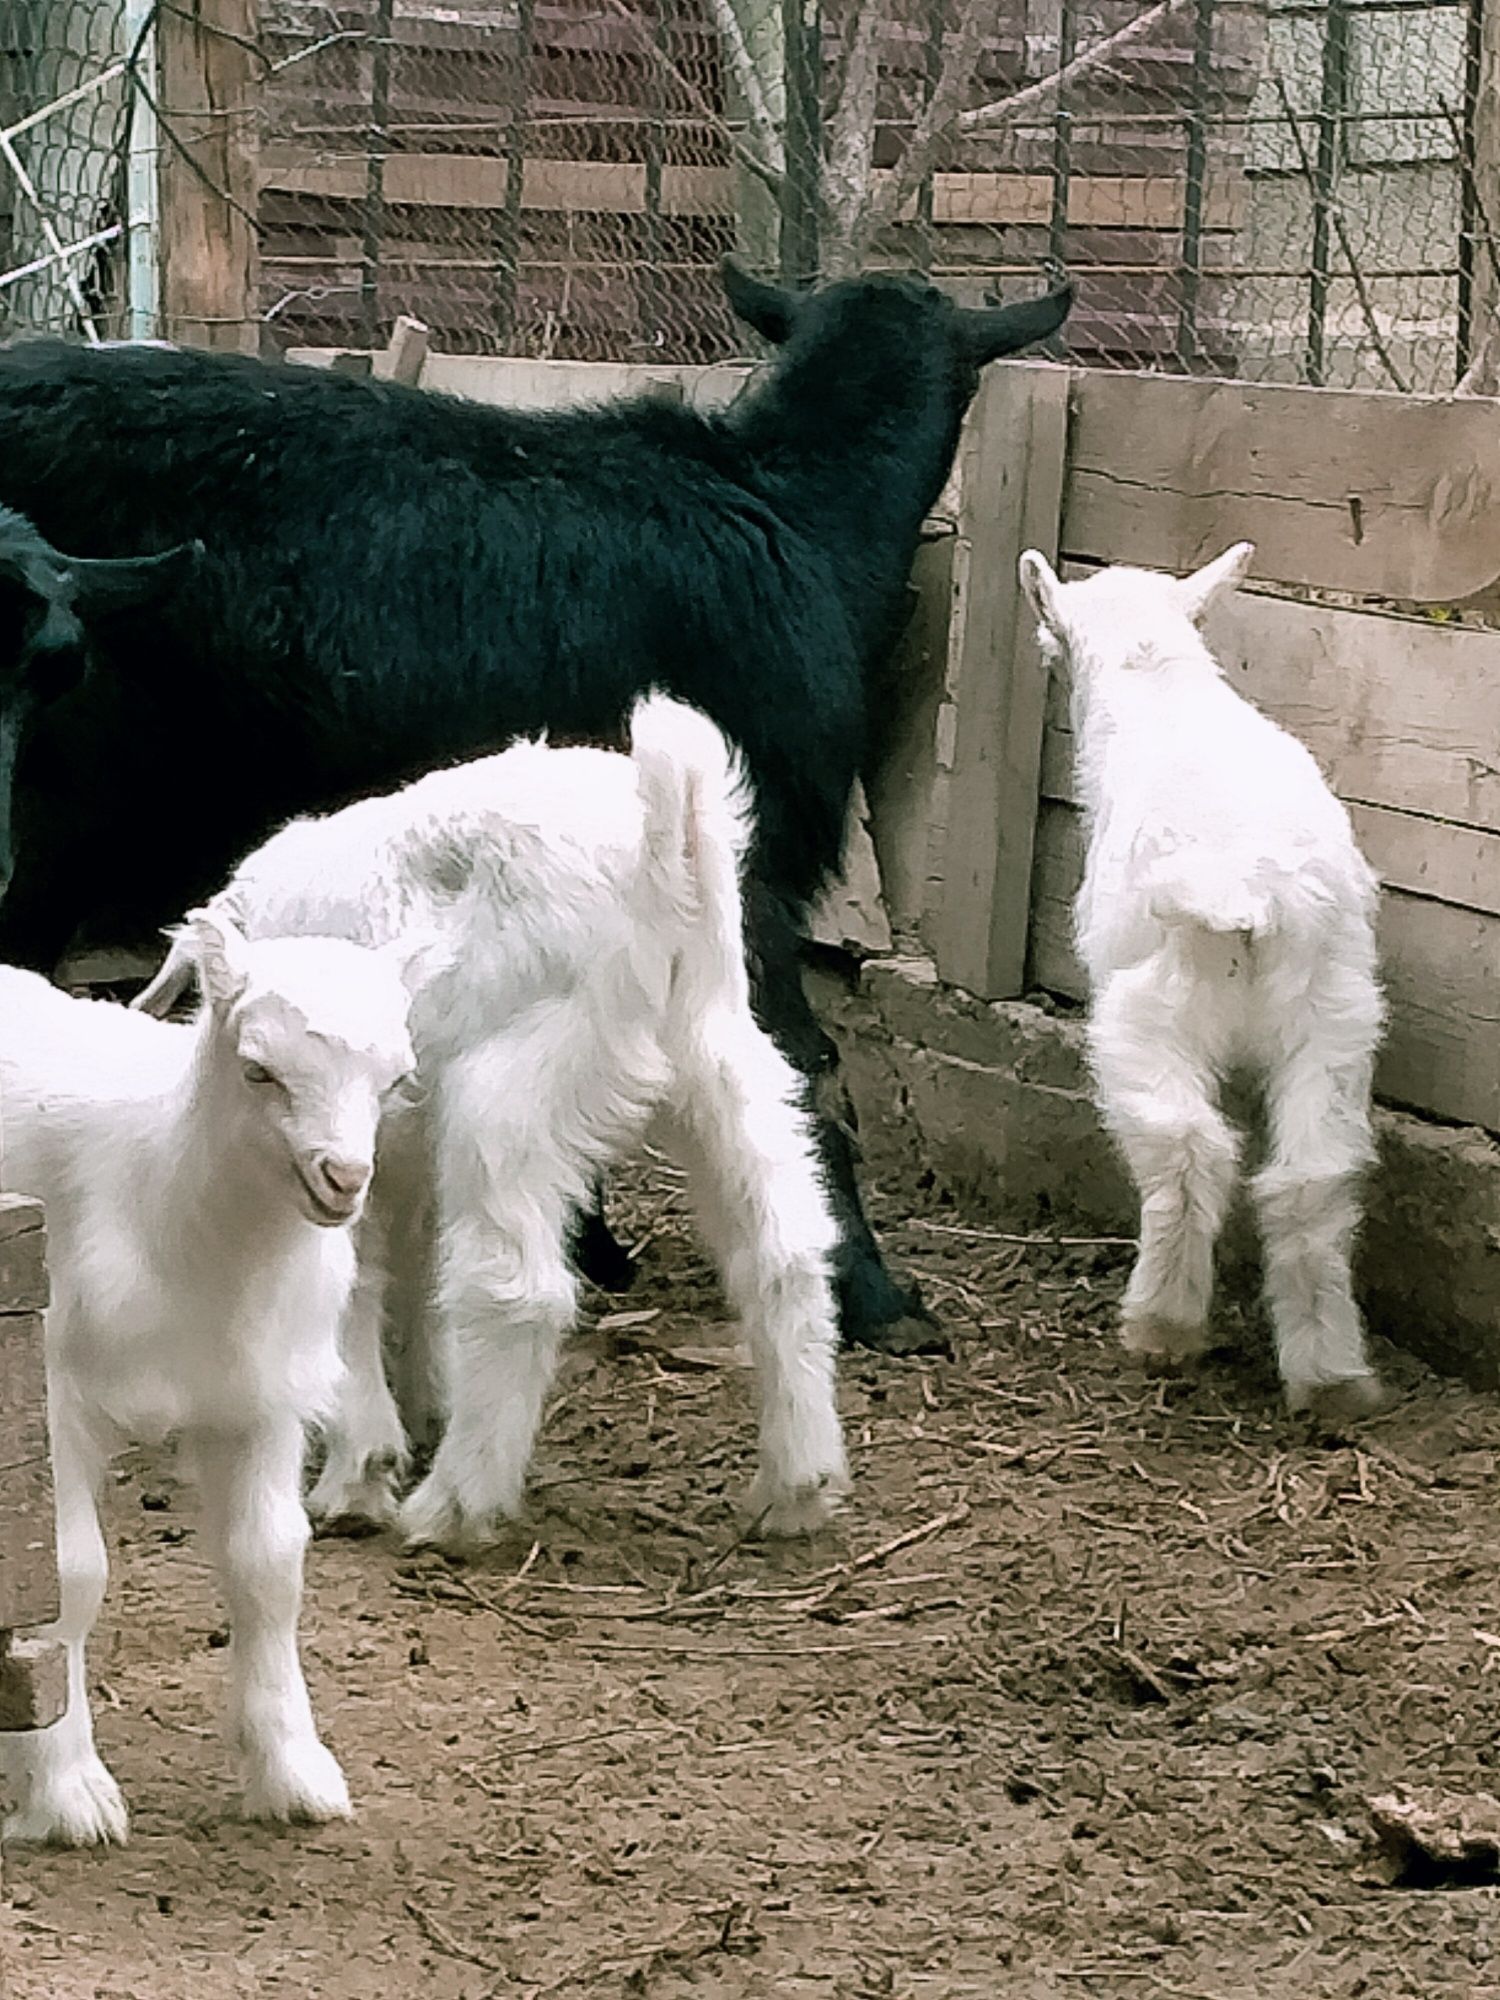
x: 255, y: 1532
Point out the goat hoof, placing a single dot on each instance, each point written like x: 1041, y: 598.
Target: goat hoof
x: 1336, y: 1404
x: 915, y: 1333
x: 1163, y: 1344
x: 356, y: 1501
x: 781, y: 1513
x: 434, y: 1518
x: 78, y: 1808
x: 601, y: 1257
x: 299, y: 1784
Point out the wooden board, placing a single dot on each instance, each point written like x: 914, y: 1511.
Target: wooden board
x: 1440, y: 965
x: 1402, y: 715
x: 210, y: 74
x: 33, y: 1682
x: 1011, y: 485
x: 1379, y: 495
x: 28, y: 1560
x: 604, y: 187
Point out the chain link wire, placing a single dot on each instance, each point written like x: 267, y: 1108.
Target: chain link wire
x: 1288, y: 190
x: 61, y: 225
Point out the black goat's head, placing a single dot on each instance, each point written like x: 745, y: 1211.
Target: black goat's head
x: 901, y: 308
x: 48, y: 605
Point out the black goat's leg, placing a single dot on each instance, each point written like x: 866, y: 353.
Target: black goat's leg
x: 874, y: 1311
x: 38, y: 916
x: 597, y: 1252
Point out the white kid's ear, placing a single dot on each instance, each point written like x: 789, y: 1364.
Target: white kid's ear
x: 1199, y: 592
x: 1039, y: 581
x: 220, y: 949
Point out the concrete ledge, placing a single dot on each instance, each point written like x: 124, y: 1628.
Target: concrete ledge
x: 992, y: 1100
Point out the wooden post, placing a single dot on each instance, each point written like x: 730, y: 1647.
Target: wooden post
x: 1011, y: 499
x: 1483, y: 205
x: 210, y: 78
x: 32, y: 1675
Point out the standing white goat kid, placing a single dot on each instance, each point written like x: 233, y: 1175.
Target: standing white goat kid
x: 1225, y: 921
x: 579, y: 968
x: 198, y: 1180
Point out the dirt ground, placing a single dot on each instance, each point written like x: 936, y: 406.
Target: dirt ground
x: 1086, y: 1695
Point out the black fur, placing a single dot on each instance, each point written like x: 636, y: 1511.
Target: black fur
x: 393, y: 579
x: 49, y: 604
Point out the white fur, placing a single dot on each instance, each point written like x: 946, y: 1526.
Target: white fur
x: 1226, y: 921
x: 574, y: 930
x: 196, y: 1179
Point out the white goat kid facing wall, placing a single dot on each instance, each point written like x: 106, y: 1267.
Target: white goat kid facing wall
x: 198, y: 1181
x: 579, y: 970
x: 1225, y: 921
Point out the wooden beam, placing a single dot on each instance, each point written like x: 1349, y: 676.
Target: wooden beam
x: 405, y: 353
x: 1401, y: 713
x: 1440, y: 1055
x: 1012, y: 478
x: 33, y: 1682
x: 209, y: 86
x: 1378, y: 495
x: 28, y: 1556
x: 1484, y: 299
x: 461, y: 180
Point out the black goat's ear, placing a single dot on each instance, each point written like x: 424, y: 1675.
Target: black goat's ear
x: 118, y: 583
x: 993, y: 331
x: 770, y: 309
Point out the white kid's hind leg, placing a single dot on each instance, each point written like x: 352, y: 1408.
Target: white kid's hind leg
x: 1307, y: 1196
x: 1158, y: 1099
x: 512, y: 1161
x: 255, y: 1532
x: 747, y: 1149
x: 365, y: 1450
x: 59, y: 1787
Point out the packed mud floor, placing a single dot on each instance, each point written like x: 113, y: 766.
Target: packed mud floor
x: 1089, y: 1692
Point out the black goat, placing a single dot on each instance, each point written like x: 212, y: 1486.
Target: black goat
x: 395, y: 578
x: 49, y: 605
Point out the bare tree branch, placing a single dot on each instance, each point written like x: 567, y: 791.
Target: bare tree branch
x: 747, y: 155
x: 764, y: 126
x: 939, y: 118
x: 1037, y: 98
x: 849, y: 150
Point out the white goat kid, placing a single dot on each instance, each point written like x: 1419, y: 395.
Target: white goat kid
x: 1226, y: 922
x: 579, y: 969
x: 197, y: 1181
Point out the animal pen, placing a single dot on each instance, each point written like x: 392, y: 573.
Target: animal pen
x: 1107, y: 1681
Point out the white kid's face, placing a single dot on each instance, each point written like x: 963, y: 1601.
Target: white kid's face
x: 320, y: 1037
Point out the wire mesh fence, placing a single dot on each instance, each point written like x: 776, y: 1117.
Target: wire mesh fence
x: 1298, y: 190
x: 64, y: 111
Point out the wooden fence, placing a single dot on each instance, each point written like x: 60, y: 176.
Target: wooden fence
x: 1391, y: 503
x: 32, y: 1671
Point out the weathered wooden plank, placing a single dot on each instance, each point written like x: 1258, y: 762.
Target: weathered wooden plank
x: 1011, y: 488
x: 544, y: 385
x: 1399, y: 712
x: 604, y: 187
x: 210, y: 74
x: 405, y: 353
x: 33, y: 1682
x: 1440, y: 965
x: 908, y: 787
x: 23, y: 1256
x: 850, y: 914
x: 1459, y: 865
x: 1379, y: 495
x: 28, y: 1561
